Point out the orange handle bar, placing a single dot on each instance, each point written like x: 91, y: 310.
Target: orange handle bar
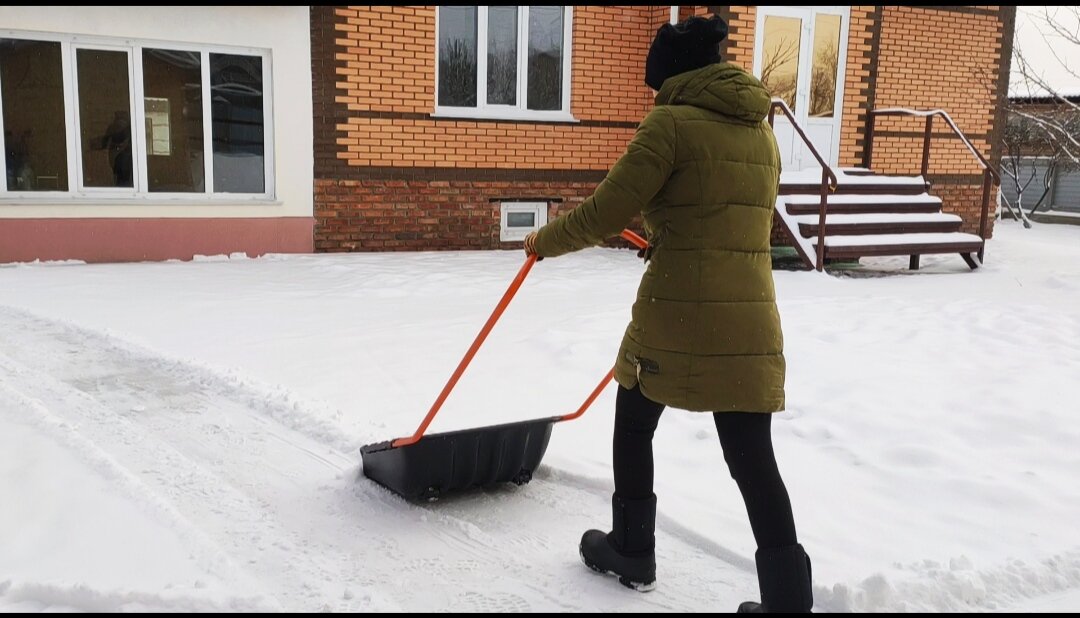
x: 504, y: 302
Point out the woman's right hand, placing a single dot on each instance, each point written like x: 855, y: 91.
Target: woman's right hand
x: 530, y: 244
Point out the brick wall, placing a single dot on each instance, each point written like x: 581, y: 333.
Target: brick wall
x: 391, y: 176
x: 386, y: 215
x: 860, y: 72
x: 950, y: 59
x: 386, y: 81
x: 933, y: 58
x: 902, y: 56
x: 738, y: 48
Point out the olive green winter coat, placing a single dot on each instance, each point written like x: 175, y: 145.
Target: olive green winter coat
x: 702, y: 170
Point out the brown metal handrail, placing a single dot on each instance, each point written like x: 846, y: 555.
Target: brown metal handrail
x: 990, y: 177
x: 828, y: 177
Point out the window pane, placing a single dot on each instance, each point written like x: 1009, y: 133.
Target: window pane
x: 236, y: 104
x: 545, y: 57
x: 32, y: 98
x: 780, y: 57
x: 521, y: 219
x: 502, y: 55
x: 826, y: 56
x: 457, y: 56
x: 104, y: 118
x: 172, y: 91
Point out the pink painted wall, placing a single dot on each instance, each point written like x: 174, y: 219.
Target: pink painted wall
x: 138, y: 239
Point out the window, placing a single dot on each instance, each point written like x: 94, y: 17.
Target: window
x: 509, y: 62
x: 780, y: 57
x: 825, y: 61
x: 32, y: 100
x: 520, y: 218
x: 105, y: 118
x: 175, y: 149
x: 237, y: 105
x: 89, y: 117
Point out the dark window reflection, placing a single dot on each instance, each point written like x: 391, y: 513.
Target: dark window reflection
x: 545, y: 57
x: 457, y: 56
x: 502, y: 53
x: 105, y: 118
x: 32, y: 98
x: 172, y: 91
x: 236, y: 102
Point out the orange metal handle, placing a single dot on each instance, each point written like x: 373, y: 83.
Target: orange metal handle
x: 634, y: 239
x: 640, y: 243
x: 504, y: 302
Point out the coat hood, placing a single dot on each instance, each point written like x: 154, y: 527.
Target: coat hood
x: 722, y: 88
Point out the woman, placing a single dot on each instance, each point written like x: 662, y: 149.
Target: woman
x: 703, y: 171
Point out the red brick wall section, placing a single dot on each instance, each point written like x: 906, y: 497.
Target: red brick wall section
x: 965, y: 199
x: 398, y: 215
x: 686, y: 12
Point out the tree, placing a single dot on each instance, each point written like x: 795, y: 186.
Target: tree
x: 1042, y: 133
x: 1031, y: 160
x: 781, y: 57
x: 823, y: 81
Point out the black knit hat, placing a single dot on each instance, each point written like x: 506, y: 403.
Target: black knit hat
x: 683, y: 47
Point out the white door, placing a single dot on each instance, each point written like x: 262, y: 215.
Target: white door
x: 799, y: 54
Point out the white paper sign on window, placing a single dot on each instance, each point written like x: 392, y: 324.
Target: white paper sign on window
x: 157, y: 127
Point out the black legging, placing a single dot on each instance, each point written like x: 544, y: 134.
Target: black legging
x: 747, y: 442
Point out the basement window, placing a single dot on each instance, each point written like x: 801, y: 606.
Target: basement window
x: 520, y: 218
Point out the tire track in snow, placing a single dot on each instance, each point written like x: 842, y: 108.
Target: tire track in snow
x: 16, y: 407
x: 280, y: 495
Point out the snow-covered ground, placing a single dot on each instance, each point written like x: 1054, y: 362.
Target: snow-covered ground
x: 184, y: 436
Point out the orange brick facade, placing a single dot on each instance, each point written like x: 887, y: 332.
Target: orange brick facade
x: 389, y: 67
x: 389, y: 175
x: 963, y: 79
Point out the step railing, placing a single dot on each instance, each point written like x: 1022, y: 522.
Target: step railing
x: 990, y: 177
x: 828, y: 177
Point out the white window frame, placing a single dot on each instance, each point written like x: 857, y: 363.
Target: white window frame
x: 139, y: 193
x: 807, y: 14
x: 509, y: 112
x: 517, y: 234
x: 136, y: 151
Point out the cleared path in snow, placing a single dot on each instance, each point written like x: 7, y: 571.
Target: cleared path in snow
x: 261, y: 491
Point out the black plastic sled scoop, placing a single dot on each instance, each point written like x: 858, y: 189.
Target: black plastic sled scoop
x: 422, y: 466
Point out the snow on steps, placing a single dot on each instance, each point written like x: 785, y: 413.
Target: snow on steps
x: 856, y: 203
x: 879, y: 218
x: 879, y: 223
x: 809, y: 182
x: 848, y: 198
x: 813, y: 176
x: 866, y: 245
x: 907, y: 240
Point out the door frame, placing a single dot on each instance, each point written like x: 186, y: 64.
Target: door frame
x: 807, y: 14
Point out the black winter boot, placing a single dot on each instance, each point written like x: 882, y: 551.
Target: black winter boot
x: 784, y: 577
x: 628, y: 551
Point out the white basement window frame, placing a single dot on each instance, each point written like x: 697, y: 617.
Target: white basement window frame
x: 519, y: 111
x: 517, y: 219
x: 139, y: 192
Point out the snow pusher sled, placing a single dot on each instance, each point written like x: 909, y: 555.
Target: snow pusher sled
x: 428, y: 466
